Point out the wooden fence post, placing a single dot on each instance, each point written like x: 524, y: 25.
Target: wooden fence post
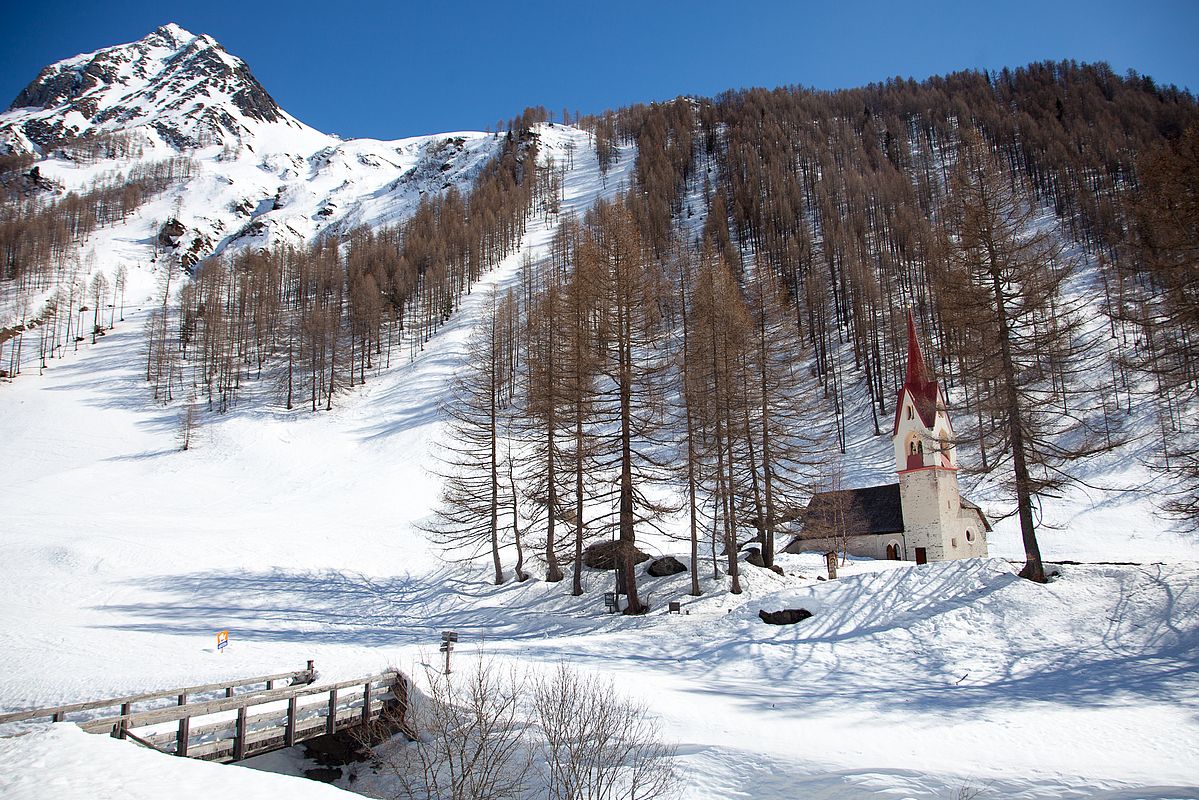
x: 289, y: 736
x: 239, y: 737
x: 123, y: 725
x: 331, y: 720
x: 184, y: 730
x: 366, y: 704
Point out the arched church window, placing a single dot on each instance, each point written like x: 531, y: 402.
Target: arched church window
x: 969, y: 536
x: 913, y: 448
x: 920, y: 447
x: 909, y: 412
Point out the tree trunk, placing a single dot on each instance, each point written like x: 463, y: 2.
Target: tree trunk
x: 495, y: 469
x: 628, y: 540
x: 1034, y: 570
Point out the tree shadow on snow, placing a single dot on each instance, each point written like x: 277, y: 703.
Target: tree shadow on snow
x: 916, y: 644
x: 349, y: 608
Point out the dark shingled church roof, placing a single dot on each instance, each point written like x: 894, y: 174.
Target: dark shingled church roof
x: 873, y: 509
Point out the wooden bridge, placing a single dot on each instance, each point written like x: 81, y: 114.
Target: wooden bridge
x: 269, y: 712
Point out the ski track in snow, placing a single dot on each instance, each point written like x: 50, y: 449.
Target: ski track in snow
x: 122, y: 557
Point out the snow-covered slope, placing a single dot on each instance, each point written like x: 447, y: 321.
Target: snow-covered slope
x: 73, y: 765
x: 122, y: 557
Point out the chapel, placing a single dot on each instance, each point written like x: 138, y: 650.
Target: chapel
x: 923, y: 517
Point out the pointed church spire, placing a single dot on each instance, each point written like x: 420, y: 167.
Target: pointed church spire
x: 919, y: 382
x: 917, y: 377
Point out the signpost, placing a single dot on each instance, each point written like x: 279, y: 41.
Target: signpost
x: 222, y: 640
x: 448, y: 638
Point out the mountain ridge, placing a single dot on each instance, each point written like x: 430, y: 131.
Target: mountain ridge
x: 184, y: 88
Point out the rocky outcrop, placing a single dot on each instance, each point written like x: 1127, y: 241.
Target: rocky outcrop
x: 186, y: 88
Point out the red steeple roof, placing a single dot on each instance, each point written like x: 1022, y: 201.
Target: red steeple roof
x: 917, y: 373
x: 918, y: 382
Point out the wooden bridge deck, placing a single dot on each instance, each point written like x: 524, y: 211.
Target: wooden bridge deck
x: 240, y: 724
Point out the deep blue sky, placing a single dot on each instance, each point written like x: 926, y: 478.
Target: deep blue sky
x: 391, y: 69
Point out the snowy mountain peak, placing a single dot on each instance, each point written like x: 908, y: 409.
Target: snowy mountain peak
x: 172, y: 85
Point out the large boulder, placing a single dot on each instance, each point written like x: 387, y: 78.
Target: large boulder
x: 604, y: 555
x: 667, y: 565
x: 788, y: 616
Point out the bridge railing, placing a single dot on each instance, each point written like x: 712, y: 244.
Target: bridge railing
x: 250, y: 723
x: 126, y: 704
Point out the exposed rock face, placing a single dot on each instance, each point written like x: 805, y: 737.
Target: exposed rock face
x: 184, y: 87
x: 168, y: 235
x: 604, y: 555
x: 667, y: 565
x: 788, y: 616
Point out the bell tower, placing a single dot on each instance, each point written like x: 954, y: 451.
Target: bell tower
x: 926, y: 460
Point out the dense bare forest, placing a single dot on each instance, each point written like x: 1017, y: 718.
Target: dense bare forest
x: 1039, y: 222
x: 690, y: 347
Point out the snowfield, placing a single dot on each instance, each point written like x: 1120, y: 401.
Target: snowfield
x: 121, y: 557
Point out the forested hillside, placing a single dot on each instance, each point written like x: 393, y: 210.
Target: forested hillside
x: 330, y: 400
x: 696, y: 348
x: 699, y: 331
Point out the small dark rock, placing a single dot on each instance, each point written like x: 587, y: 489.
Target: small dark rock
x: 667, y: 565
x: 788, y: 616
x: 755, y: 558
x: 603, y: 555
